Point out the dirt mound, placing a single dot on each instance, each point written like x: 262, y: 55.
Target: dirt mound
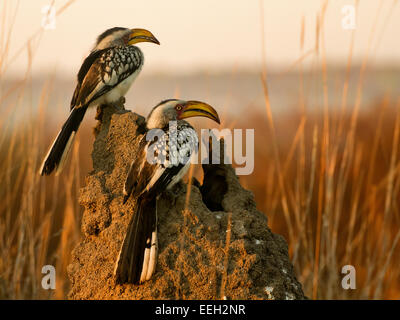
x: 226, y: 254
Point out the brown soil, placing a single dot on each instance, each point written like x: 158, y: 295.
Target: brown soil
x: 226, y: 254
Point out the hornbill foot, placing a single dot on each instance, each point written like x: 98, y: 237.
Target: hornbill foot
x: 120, y: 104
x: 173, y: 193
x: 99, y: 113
x: 99, y: 118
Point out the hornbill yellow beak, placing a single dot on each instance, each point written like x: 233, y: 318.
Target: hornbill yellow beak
x: 198, y: 109
x: 141, y: 35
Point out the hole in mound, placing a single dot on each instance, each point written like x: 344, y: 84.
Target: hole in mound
x: 214, y: 187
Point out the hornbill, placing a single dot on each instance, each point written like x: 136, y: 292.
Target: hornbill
x: 104, y: 77
x: 163, y: 158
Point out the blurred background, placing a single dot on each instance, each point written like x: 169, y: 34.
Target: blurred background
x: 318, y: 80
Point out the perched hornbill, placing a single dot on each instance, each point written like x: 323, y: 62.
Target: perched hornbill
x: 162, y: 159
x: 104, y: 77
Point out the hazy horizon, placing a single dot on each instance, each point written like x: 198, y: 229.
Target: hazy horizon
x: 231, y: 92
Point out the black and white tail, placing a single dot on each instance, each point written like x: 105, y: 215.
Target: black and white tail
x: 61, y: 146
x: 137, y: 258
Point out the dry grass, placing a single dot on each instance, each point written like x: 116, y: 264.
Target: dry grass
x: 329, y: 174
x: 344, y: 194
x: 39, y: 218
x: 329, y: 181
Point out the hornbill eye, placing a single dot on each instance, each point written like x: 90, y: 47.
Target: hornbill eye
x: 178, y: 107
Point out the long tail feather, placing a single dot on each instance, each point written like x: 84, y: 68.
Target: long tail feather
x: 59, y: 150
x: 138, y: 255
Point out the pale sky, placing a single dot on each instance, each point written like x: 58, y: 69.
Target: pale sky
x: 204, y: 35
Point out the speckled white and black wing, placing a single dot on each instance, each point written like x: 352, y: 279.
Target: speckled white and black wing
x: 105, y: 75
x: 85, y: 67
x: 162, y: 162
x: 103, y: 70
x: 173, y: 153
x: 174, y: 147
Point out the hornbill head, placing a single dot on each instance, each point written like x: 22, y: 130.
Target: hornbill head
x: 174, y: 109
x: 118, y: 36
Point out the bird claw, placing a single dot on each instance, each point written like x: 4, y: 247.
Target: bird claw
x: 99, y: 113
x: 121, y: 103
